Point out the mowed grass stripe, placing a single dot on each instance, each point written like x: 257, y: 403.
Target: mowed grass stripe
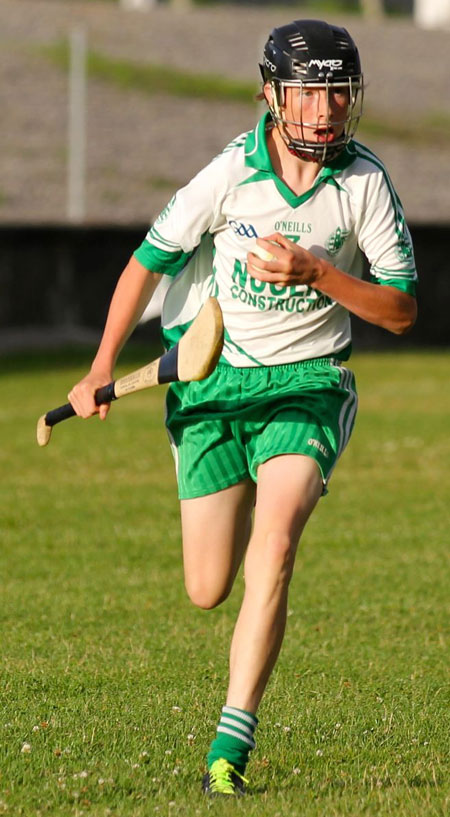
x: 115, y: 681
x: 152, y: 79
x: 157, y: 79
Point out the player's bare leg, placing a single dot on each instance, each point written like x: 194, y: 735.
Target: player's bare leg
x: 215, y: 535
x: 216, y: 530
x: 288, y: 490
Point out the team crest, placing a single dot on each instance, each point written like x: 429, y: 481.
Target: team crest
x: 404, y: 247
x: 336, y: 241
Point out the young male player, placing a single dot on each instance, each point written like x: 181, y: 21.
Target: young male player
x: 262, y: 434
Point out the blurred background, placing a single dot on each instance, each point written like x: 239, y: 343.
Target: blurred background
x: 110, y: 105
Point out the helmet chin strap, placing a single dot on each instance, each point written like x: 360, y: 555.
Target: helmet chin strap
x: 300, y: 154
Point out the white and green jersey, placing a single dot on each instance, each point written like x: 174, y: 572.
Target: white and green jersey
x: 203, y: 236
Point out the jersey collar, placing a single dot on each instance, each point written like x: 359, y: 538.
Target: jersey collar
x: 256, y: 151
x: 257, y: 156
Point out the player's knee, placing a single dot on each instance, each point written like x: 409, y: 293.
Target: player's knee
x: 278, y: 555
x: 205, y: 594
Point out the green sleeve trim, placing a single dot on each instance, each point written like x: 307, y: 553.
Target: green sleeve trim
x: 410, y: 287
x: 162, y: 261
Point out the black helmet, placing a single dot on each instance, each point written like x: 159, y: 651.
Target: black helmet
x: 313, y: 53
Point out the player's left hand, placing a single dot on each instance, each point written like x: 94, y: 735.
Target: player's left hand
x: 291, y: 265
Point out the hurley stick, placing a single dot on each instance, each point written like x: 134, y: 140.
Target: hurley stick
x: 193, y: 358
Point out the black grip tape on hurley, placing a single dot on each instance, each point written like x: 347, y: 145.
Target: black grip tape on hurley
x: 168, y: 366
x: 59, y: 414
x: 103, y: 395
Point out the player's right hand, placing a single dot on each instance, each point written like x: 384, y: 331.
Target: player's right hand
x: 82, y: 395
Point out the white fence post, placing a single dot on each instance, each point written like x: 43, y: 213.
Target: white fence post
x: 76, y: 182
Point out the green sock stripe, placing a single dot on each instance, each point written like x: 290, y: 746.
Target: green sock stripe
x: 248, y: 717
x: 239, y: 728
x: 234, y: 738
x: 225, y: 730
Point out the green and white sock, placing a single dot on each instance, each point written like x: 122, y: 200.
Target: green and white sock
x: 234, y: 740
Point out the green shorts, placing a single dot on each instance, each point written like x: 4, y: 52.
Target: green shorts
x: 222, y: 428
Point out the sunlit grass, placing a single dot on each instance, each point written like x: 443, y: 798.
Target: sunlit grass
x: 112, y: 682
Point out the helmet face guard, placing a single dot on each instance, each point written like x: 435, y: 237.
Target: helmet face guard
x: 299, y: 144
x: 313, y: 54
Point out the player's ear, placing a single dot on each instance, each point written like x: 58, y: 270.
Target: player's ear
x: 267, y: 91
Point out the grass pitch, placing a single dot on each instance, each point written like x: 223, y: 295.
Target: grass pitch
x: 112, y: 682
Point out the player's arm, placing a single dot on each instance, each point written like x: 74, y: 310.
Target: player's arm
x: 385, y: 306
x: 133, y: 291
x: 166, y: 249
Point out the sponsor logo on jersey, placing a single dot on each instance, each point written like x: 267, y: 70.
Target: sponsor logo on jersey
x: 335, y: 64
x: 245, y: 230
x: 317, y: 444
x: 292, y: 227
x: 267, y: 297
x: 336, y: 241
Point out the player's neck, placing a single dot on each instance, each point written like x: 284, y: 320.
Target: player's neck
x: 297, y: 174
